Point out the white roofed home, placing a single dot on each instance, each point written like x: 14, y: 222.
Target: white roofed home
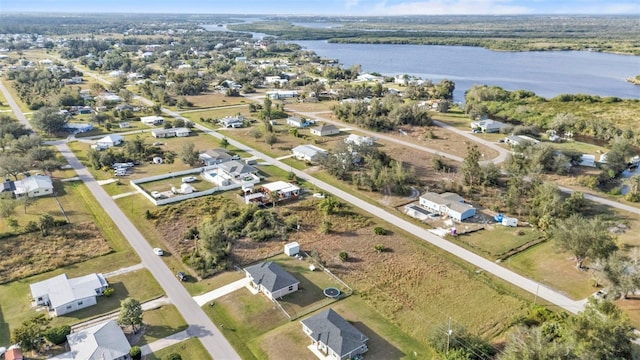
x: 104, y: 341
x: 309, y: 153
x: 488, y: 125
x: 152, y: 120
x: 172, y: 132
x: 109, y: 141
x: 359, y: 140
x: 63, y: 295
x: 333, y: 337
x: 33, y: 186
x: 448, y: 204
x: 324, y: 130
x: 271, y: 280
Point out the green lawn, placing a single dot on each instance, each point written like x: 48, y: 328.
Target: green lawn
x: 497, y: 240
x: 188, y: 350
x: 16, y: 295
x: 160, y: 323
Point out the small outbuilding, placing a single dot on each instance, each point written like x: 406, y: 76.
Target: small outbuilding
x: 292, y: 248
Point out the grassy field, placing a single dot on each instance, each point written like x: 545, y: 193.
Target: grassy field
x: 16, y: 295
x: 496, y: 240
x: 210, y: 100
x: 160, y: 323
x: 188, y: 349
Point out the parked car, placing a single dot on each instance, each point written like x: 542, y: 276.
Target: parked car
x: 158, y: 251
x: 181, y: 276
x: 189, y: 179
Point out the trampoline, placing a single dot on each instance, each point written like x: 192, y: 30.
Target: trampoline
x: 331, y: 292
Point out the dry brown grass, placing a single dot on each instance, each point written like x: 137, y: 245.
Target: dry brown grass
x: 31, y: 254
x: 215, y: 100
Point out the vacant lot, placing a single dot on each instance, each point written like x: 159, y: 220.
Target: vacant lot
x: 210, y: 100
x: 32, y: 253
x: 188, y: 349
x: 160, y: 323
x: 496, y: 241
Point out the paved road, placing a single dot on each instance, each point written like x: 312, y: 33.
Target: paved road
x: 199, y: 323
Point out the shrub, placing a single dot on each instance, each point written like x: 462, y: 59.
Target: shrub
x: 135, y: 353
x: 58, y: 335
x: 108, y: 292
x: 173, y: 356
x: 343, y: 256
x: 380, y: 248
x: 31, y: 227
x: 380, y: 231
x: 588, y: 181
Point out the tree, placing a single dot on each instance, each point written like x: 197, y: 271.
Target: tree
x: 49, y: 120
x: 173, y: 356
x: 135, y: 352
x: 532, y: 344
x: 224, y: 142
x: 343, y: 256
x: 58, y: 335
x: 46, y: 223
x: 30, y: 334
x: 601, y: 331
x: 329, y: 205
x: 471, y: 170
x: 446, y: 338
x: 189, y: 155
x: 584, y: 238
x: 623, y: 275
x: 130, y: 314
x: 7, y: 207
x: 271, y: 139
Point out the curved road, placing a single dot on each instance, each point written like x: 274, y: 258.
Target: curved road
x: 200, y: 325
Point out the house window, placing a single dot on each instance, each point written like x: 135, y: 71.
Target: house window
x: 68, y: 307
x: 291, y: 288
x: 40, y: 299
x: 79, y: 302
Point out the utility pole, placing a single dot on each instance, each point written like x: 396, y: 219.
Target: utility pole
x: 449, y: 332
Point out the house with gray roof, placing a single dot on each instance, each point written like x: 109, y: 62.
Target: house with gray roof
x: 309, y: 153
x: 488, y: 125
x: 449, y: 204
x: 237, y: 169
x: 63, y: 295
x: 324, y: 130
x: 33, y: 186
x: 272, y: 280
x: 214, y: 156
x: 333, y: 336
x: 104, y: 341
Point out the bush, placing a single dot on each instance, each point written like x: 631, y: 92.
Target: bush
x: 379, y: 248
x: 173, y: 356
x: 343, y: 256
x: 58, y: 335
x: 588, y: 181
x: 135, y: 353
x: 31, y: 227
x: 380, y: 231
x: 108, y: 292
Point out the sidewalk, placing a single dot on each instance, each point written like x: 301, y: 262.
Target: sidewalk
x: 124, y: 270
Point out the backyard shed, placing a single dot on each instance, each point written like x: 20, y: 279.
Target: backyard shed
x: 292, y: 248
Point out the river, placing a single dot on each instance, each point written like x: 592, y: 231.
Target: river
x: 547, y: 73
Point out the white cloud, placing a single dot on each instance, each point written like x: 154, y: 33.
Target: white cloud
x: 349, y: 4
x: 450, y: 7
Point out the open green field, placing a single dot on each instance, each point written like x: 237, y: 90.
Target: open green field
x: 16, y: 303
x: 496, y: 241
x: 160, y: 323
x: 188, y: 349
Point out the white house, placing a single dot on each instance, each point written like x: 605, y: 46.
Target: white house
x: 283, y: 191
x: 333, y: 336
x: 214, y: 156
x: 297, y: 122
x: 104, y: 341
x: 588, y: 160
x: 78, y: 127
x: 271, y: 280
x: 33, y: 186
x: 173, y: 132
x: 63, y: 295
x: 282, y: 94
x: 324, y: 130
x: 309, y: 153
x: 109, y: 141
x: 152, y: 120
x: 488, y: 125
x: 448, y: 204
x: 369, y: 77
x: 232, y: 121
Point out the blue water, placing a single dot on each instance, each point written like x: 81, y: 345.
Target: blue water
x: 547, y: 73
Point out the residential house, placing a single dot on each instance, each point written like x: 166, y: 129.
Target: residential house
x: 104, y: 341
x: 63, y: 295
x: 449, y: 204
x: 417, y: 212
x: 271, y: 280
x: 324, y: 130
x: 333, y: 336
x: 588, y: 160
x: 214, y: 156
x: 7, y: 186
x: 370, y: 77
x: 14, y: 353
x: 487, y: 126
x: 173, y: 132
x: 152, y: 120
x: 110, y: 98
x: 237, y: 169
x: 232, y: 121
x: 298, y: 122
x: 78, y: 127
x: 282, y: 94
x: 283, y: 191
x: 33, y: 186
x: 515, y: 140
x: 309, y: 153
x: 109, y: 141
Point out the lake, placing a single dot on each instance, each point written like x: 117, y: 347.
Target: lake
x: 547, y: 73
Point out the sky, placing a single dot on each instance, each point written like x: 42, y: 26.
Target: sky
x: 329, y: 7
